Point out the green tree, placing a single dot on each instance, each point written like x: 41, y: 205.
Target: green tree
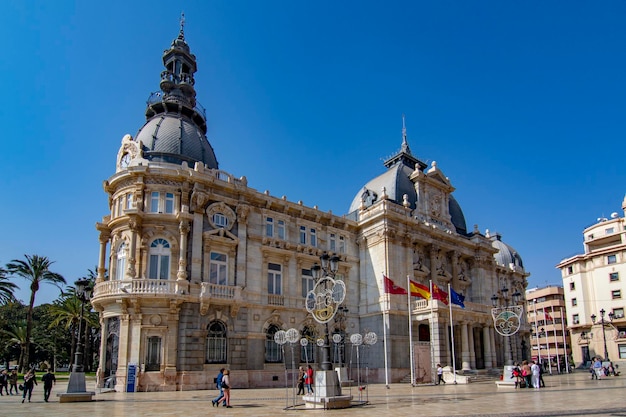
x: 36, y: 270
x: 10, y: 314
x: 6, y: 287
x: 66, y: 313
x: 17, y: 338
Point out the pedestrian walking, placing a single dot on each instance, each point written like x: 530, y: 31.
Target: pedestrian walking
x: 535, y: 374
x: 440, y: 374
x: 218, y: 381
x: 48, y: 381
x: 301, y: 378
x: 309, y: 380
x: 4, y: 382
x: 226, y: 385
x: 13, y: 382
x: 30, y: 380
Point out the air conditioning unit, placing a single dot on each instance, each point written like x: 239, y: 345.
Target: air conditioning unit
x: 618, y: 316
x: 576, y: 321
x: 621, y: 335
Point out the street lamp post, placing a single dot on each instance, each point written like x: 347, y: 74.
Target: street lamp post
x: 506, y: 316
x: 603, y: 322
x: 83, y: 292
x: 76, y: 387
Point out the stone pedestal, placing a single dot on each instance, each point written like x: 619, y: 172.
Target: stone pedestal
x: 76, y: 389
x: 327, y: 392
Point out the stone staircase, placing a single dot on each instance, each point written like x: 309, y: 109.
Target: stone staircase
x: 474, y: 376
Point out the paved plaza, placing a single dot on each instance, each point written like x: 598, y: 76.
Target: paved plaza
x: 565, y: 395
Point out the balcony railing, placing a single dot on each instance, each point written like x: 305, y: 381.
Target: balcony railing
x: 136, y: 286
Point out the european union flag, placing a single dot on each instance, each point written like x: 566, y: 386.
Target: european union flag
x: 457, y: 298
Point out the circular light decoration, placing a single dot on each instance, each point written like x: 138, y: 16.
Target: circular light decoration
x: 356, y: 339
x: 320, y: 342
x: 370, y: 338
x: 507, y: 321
x: 292, y: 335
x: 304, y: 342
x: 280, y: 337
x: 337, y: 338
x: 324, y: 299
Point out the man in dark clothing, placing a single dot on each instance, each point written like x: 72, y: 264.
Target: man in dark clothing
x: 48, y: 381
x: 30, y: 380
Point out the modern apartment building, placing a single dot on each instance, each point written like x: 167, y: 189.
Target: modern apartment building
x: 594, y: 286
x: 546, y: 314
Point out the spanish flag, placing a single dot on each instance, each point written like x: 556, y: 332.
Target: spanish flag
x: 419, y: 290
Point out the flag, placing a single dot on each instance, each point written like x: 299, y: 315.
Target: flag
x: 392, y: 288
x: 548, y: 316
x: 457, y: 298
x: 439, y: 294
x: 419, y: 290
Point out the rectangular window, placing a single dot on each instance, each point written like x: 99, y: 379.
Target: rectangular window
x: 313, y: 238
x: 611, y: 259
x: 574, y: 302
x: 274, y: 278
x: 622, y: 351
x: 572, y: 286
x: 154, y: 202
x: 153, y: 269
x: 129, y: 201
x: 307, y: 282
x: 280, y: 229
x: 614, y: 276
x: 332, y: 242
x: 218, y: 269
x: 303, y: 235
x: 120, y: 206
x: 616, y: 294
x: 342, y: 245
x: 269, y: 227
x: 153, y: 354
x: 609, y: 231
x: 570, y: 270
x: 169, y: 203
x: 575, y: 319
x: 165, y: 267
x: 618, y: 313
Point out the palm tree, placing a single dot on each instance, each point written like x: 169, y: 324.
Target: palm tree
x: 6, y: 287
x: 66, y: 313
x: 17, y: 336
x: 36, y: 270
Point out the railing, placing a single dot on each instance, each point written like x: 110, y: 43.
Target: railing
x: 157, y: 96
x: 225, y: 292
x: 275, y: 300
x: 136, y: 286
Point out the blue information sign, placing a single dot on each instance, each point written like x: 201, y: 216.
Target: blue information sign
x: 131, y: 377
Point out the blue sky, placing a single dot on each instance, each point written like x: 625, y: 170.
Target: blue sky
x: 521, y: 104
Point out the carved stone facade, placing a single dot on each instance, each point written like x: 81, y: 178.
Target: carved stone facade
x: 202, y: 269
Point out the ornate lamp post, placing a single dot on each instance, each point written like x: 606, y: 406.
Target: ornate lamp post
x: 603, y: 322
x: 83, y: 292
x: 323, y: 302
x: 76, y: 387
x: 507, y: 317
x: 324, y: 288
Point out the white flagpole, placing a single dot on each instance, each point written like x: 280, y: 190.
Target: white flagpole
x: 385, y: 336
x: 432, y: 325
x: 548, y: 343
x: 452, y: 333
x: 556, y: 343
x: 537, y: 333
x: 408, y: 300
x: 564, y: 339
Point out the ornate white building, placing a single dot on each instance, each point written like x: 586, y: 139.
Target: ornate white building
x: 204, y: 270
x: 594, y: 284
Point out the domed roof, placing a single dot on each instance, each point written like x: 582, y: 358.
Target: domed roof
x: 506, y: 254
x: 397, y: 182
x: 174, y: 138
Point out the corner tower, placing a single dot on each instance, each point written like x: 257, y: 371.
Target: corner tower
x: 175, y: 128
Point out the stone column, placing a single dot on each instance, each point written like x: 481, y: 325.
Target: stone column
x: 487, y: 347
x: 494, y: 352
x: 465, y: 354
x: 242, y: 247
x: 102, y: 361
x: 131, y: 271
x: 104, y: 239
x: 472, y: 352
x: 183, y: 228
x: 123, y: 355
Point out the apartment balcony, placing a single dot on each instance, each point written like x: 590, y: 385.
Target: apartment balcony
x: 139, y: 287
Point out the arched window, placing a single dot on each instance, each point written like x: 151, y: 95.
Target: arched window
x: 216, y: 343
x: 273, y: 353
x: 160, y: 252
x: 120, y: 264
x: 307, y: 353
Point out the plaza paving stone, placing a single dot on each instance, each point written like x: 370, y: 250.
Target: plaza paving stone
x: 565, y: 395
